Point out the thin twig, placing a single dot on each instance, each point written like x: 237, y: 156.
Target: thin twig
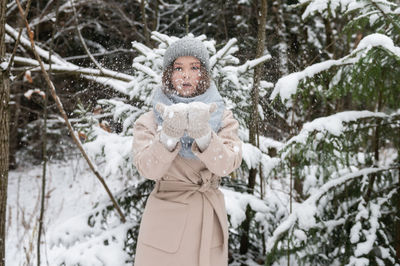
x: 63, y: 113
x: 83, y: 41
x: 121, y: 50
x: 385, y: 15
x: 44, y: 147
x: 28, y: 5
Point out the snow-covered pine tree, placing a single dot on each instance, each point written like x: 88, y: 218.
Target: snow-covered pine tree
x: 107, y: 132
x: 345, y: 160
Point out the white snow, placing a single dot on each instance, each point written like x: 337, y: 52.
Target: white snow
x: 287, y: 85
x: 300, y: 235
x: 333, y: 124
x: 28, y: 93
x: 251, y: 155
x: 377, y: 39
x: 114, y: 150
x: 321, y: 7
x: 3, y: 65
x: 304, y: 213
x: 72, y: 191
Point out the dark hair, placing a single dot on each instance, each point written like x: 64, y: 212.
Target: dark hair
x: 203, y: 85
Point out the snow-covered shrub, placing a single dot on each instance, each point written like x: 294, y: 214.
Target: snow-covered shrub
x: 98, y: 237
x: 234, y: 81
x: 349, y: 198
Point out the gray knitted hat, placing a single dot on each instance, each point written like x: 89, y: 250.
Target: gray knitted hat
x: 187, y: 46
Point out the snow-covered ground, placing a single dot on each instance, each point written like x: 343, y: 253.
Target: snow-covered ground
x: 71, y: 190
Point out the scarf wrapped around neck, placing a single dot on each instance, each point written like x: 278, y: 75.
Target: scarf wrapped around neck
x: 211, y: 95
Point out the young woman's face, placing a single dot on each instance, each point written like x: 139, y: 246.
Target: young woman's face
x: 186, y: 75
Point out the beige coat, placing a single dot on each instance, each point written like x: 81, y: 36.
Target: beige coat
x: 185, y: 221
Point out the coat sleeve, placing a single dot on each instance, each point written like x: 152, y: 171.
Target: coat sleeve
x: 224, y: 153
x: 150, y: 156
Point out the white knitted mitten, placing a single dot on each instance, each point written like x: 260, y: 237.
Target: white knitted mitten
x: 174, y: 124
x: 198, y: 127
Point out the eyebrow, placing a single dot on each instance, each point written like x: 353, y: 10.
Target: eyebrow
x: 192, y: 63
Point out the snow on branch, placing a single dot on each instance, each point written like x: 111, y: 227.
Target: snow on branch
x: 304, y: 213
x: 162, y: 38
x: 251, y: 155
x: 367, y: 213
x: 229, y: 48
x: 250, y: 64
x: 288, y: 85
x: 124, y: 112
x: 118, y: 81
x: 116, y: 84
x: 75, y: 69
x: 101, y: 247
x: 329, y: 8
x: 141, y: 48
x: 334, y: 124
x: 55, y: 58
x: 148, y: 71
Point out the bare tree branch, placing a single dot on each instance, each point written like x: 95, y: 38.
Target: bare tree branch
x: 83, y: 41
x: 99, y: 54
x: 73, y: 69
x: 28, y: 5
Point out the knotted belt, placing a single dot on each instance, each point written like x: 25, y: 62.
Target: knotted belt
x: 206, y: 186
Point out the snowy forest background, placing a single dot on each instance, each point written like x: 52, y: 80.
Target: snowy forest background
x: 314, y: 84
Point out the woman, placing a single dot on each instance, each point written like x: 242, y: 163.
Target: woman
x: 186, y: 143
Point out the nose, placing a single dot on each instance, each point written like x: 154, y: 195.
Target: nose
x: 185, y: 74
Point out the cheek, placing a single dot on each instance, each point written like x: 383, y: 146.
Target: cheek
x: 176, y: 78
x: 196, y: 77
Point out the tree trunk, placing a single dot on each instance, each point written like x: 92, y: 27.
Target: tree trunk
x: 4, y: 135
x: 144, y: 21
x: 281, y: 32
x: 330, y: 40
x: 253, y: 123
x: 15, y: 111
x: 397, y: 223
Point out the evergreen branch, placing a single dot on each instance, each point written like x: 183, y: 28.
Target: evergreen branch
x: 146, y: 70
x: 325, y: 124
x: 141, y: 48
x: 311, y: 202
x: 288, y: 85
x: 385, y: 15
x: 160, y: 37
x: 222, y: 52
x: 63, y: 113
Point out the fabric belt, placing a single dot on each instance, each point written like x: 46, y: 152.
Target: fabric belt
x: 206, y: 187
